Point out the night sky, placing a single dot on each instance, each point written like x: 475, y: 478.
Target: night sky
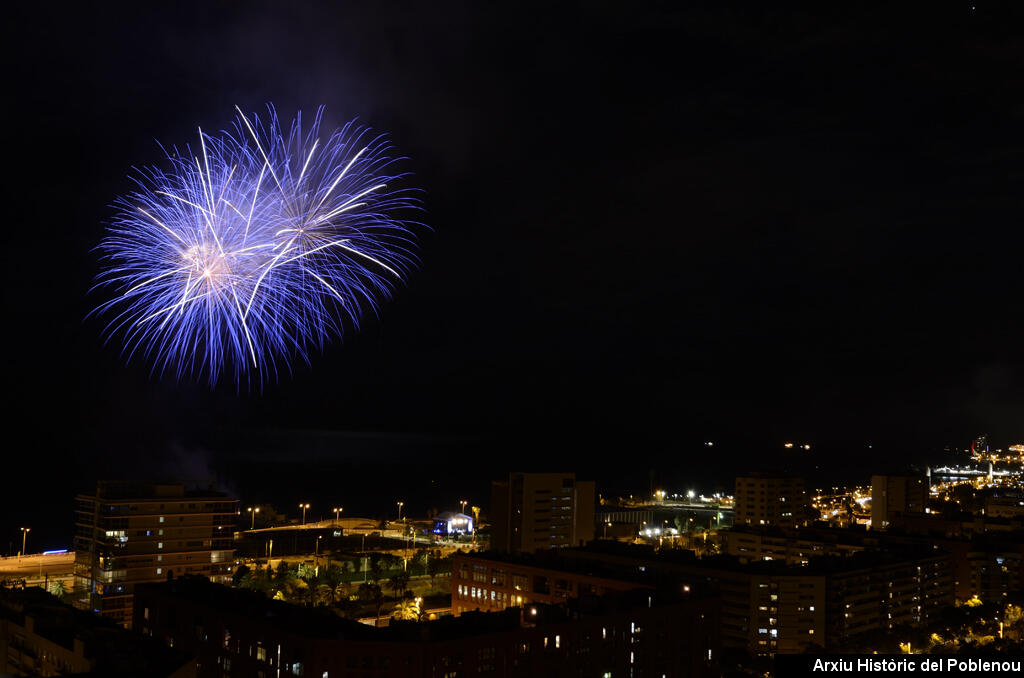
x: 650, y: 228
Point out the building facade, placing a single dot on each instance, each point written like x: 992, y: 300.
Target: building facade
x: 763, y: 499
x: 791, y: 546
x: 537, y: 511
x: 41, y: 636
x: 127, y: 534
x: 489, y: 582
x: 235, y: 632
x: 771, y: 607
x: 896, y: 495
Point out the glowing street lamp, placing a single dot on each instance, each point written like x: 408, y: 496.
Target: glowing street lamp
x: 337, y: 515
x: 253, y: 511
x: 400, y: 505
x: 24, y: 534
x: 303, y: 507
x: 463, y: 502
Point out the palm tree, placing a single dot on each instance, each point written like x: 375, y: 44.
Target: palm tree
x: 57, y: 589
x: 408, y: 609
x: 399, y: 583
x: 372, y: 592
x: 376, y: 568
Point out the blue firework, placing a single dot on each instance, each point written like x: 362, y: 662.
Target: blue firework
x: 255, y: 248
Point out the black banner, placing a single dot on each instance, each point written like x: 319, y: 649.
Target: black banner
x: 798, y: 665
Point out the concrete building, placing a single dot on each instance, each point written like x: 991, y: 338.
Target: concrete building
x: 896, y: 495
x: 771, y: 607
x: 765, y: 499
x: 496, y: 581
x: 243, y: 633
x: 789, y: 545
x: 127, y: 534
x: 537, y: 511
x: 40, y: 636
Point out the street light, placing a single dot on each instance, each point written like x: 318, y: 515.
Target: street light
x: 400, y: 505
x: 303, y: 507
x: 337, y: 511
x: 24, y: 534
x: 463, y: 502
x: 253, y: 512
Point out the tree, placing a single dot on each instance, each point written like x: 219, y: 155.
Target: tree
x: 399, y: 583
x: 420, y: 559
x: 282, y: 574
x: 376, y: 572
x: 305, y: 571
x: 390, y: 561
x: 241, y: 573
x: 57, y: 589
x: 372, y: 593
x: 433, y: 569
x: 407, y: 609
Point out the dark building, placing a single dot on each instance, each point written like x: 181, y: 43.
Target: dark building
x: 243, y: 633
x: 770, y: 607
x: 128, y: 533
x: 537, y: 511
x: 896, y: 495
x: 766, y: 499
x: 40, y: 636
x: 497, y: 581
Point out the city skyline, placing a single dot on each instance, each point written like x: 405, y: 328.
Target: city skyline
x: 628, y: 254
x: 693, y: 288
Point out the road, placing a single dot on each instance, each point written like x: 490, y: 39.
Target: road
x: 38, y: 569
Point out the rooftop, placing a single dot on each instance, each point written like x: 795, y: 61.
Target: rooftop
x: 114, y: 651
x: 324, y: 624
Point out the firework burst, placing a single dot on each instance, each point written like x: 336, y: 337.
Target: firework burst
x: 262, y: 244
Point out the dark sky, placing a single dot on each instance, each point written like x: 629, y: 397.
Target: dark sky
x: 651, y: 226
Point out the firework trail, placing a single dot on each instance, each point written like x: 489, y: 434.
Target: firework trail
x: 260, y: 245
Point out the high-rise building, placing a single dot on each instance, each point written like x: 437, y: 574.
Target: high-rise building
x: 126, y: 534
x: 536, y: 511
x: 893, y: 495
x: 765, y: 499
